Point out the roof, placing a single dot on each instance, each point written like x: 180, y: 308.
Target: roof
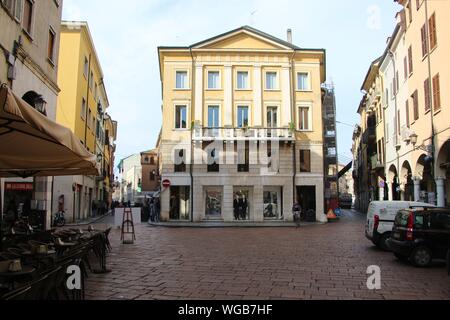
x: 243, y: 28
x: 370, y: 71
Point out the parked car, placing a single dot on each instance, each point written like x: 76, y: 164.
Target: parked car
x: 380, y: 219
x: 421, y: 235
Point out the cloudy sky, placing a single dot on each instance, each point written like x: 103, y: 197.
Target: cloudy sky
x: 353, y: 32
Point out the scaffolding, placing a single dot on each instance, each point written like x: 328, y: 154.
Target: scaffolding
x: 331, y: 168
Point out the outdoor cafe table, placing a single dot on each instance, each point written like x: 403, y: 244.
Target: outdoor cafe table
x: 100, y: 247
x: 11, y: 277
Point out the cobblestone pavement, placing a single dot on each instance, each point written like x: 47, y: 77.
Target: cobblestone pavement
x: 315, y: 262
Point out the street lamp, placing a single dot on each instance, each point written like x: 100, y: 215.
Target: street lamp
x: 427, y: 149
x: 39, y: 104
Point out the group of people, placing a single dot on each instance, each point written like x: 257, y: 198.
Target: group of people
x: 240, y: 208
x: 152, y: 209
x: 100, y: 207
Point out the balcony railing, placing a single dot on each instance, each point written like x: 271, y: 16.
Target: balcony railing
x: 374, y: 97
x: 247, y: 134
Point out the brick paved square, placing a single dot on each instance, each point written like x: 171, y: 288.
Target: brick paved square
x: 315, y: 262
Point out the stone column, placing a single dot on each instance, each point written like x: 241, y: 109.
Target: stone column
x: 227, y: 206
x: 381, y: 194
x: 198, y: 204
x: 440, y: 192
x: 258, y: 204
x: 288, y: 201
x: 257, y: 96
x: 416, y: 181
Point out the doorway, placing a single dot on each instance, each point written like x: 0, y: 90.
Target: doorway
x: 306, y: 197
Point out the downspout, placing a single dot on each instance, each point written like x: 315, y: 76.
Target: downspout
x: 294, y: 149
x: 430, y: 101
x: 85, y: 128
x: 396, y: 131
x: 191, y: 165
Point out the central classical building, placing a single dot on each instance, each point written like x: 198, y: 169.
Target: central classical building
x: 242, y: 135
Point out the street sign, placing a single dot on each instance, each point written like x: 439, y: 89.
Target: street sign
x: 166, y: 183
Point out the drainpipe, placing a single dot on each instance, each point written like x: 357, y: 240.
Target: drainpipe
x: 430, y: 101
x: 191, y: 168
x: 391, y: 54
x: 293, y: 106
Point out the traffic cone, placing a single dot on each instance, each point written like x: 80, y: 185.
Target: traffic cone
x: 331, y: 216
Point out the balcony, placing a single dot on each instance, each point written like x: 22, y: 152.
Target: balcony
x: 369, y: 136
x: 375, y: 164
x: 373, y: 99
x: 245, y: 134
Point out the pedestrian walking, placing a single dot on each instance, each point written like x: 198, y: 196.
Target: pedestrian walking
x: 157, y: 209
x: 236, y: 209
x: 152, y: 210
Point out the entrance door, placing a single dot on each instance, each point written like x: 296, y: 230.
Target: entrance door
x: 179, y: 203
x: 306, y: 197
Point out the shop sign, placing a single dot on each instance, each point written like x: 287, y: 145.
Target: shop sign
x: 19, y: 186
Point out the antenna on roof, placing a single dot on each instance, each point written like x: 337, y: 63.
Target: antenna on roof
x: 252, y: 17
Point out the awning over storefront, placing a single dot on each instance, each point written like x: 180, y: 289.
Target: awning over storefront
x: 32, y: 145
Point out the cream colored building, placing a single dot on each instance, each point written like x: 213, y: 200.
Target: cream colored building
x: 242, y: 127
x: 29, y: 50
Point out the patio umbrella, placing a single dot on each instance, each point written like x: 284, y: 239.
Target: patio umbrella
x: 31, y: 145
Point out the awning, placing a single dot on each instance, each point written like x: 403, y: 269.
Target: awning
x: 32, y: 145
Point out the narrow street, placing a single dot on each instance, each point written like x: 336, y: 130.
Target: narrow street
x: 315, y: 262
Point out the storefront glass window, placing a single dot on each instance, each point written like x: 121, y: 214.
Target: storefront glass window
x: 213, y: 204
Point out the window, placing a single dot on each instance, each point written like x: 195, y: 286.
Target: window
x: 179, y: 161
x: 18, y: 9
x: 418, y: 4
x: 397, y: 80
x: 305, y: 160
x: 405, y: 66
x: 213, y: 116
x: 242, y: 80
x: 86, y: 67
x: 407, y: 114
x: 426, y: 89
x: 415, y: 105
x: 272, y: 117
x: 304, y: 118
x: 213, y: 80
x: 303, y: 81
x: 440, y: 221
x: 152, y: 160
x: 180, y: 117
x: 213, y: 205
x: 271, y: 81
x: 410, y: 59
x: 242, y: 117
x: 432, y: 30
x: 91, y: 81
x: 181, y: 80
x: 8, y: 4
x: 423, y: 32
x: 398, y: 122
x: 436, y: 93
x: 83, y: 109
x: 89, y: 120
x: 28, y: 16
x: 51, y: 45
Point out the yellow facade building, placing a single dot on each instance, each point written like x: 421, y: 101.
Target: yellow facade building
x: 242, y: 129
x: 415, y: 100
x: 82, y: 106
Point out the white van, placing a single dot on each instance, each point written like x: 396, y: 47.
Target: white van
x: 381, y: 216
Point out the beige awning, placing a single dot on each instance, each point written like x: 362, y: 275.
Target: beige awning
x: 32, y: 145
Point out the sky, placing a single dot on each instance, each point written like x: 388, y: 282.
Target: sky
x: 126, y: 37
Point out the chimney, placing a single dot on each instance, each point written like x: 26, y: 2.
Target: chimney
x: 289, y: 35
